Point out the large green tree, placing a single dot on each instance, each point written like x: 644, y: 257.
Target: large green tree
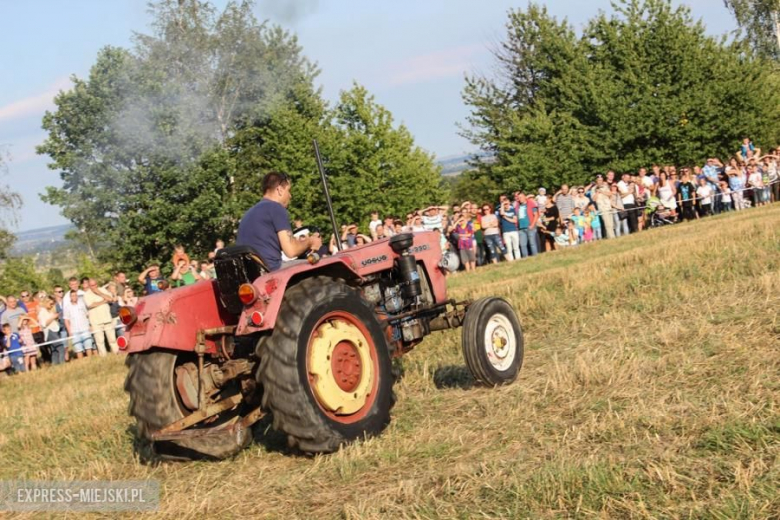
x: 643, y: 85
x: 167, y: 142
x: 760, y: 19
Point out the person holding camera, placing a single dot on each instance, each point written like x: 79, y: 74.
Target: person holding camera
x: 185, y: 274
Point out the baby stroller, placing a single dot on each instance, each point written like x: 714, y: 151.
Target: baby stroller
x: 659, y: 215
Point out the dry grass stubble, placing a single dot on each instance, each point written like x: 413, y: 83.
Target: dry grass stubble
x: 650, y: 389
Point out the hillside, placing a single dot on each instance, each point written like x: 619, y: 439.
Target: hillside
x: 40, y: 240
x: 651, y: 388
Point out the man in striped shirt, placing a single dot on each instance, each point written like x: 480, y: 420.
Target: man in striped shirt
x: 565, y: 202
x: 432, y: 219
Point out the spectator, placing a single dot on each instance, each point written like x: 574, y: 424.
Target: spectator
x: 59, y: 308
x: 12, y: 344
x: 541, y: 198
x: 579, y: 225
x: 686, y: 197
x: 129, y: 299
x: 374, y: 223
x: 467, y: 246
x: 594, y: 221
x: 587, y: 220
x: 219, y: 244
x: 389, y: 226
x: 31, y: 303
x: 431, y: 218
x: 580, y: 200
x: 98, y: 303
x: 120, y: 279
x: 77, y: 324
x: 667, y: 192
x: 508, y: 221
x: 28, y: 342
x: 203, y: 271
x: 551, y: 221
x: 756, y: 182
x: 627, y: 191
x: 561, y: 238
x: 605, y: 211
x: 13, y: 313
x: 492, y: 234
x: 151, y: 279
x: 49, y: 320
x: 704, y: 195
x: 565, y: 202
x: 381, y: 232
x: 619, y: 215
x: 526, y: 224
x: 184, y: 274
x: 179, y: 255
x: 725, y: 193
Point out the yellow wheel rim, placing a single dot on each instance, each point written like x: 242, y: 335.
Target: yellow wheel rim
x: 340, y: 366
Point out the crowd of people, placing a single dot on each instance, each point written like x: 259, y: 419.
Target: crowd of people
x: 522, y: 224
x: 41, y: 327
x: 62, y: 326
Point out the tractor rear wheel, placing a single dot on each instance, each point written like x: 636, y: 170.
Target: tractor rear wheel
x: 492, y: 341
x: 326, y: 370
x: 154, y: 402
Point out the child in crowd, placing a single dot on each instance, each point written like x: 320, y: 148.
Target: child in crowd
x: 574, y: 236
x: 725, y: 198
x: 12, y: 345
x: 579, y: 224
x: 25, y: 333
x: 561, y: 238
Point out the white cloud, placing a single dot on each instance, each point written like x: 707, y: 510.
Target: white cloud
x: 435, y: 65
x: 33, y: 105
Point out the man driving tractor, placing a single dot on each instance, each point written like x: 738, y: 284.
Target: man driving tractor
x: 266, y: 226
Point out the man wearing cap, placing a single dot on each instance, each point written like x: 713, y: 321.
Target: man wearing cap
x: 266, y: 226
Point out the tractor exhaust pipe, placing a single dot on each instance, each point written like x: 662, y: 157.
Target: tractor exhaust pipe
x: 327, y: 195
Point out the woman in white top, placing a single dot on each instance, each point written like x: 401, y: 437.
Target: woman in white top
x: 666, y: 192
x: 49, y: 320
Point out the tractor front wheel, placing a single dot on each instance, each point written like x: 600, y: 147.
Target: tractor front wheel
x: 326, y: 370
x: 492, y: 341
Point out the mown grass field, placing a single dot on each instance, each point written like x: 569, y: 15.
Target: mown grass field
x: 650, y: 389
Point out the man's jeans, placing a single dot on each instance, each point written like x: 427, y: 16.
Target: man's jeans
x: 512, y: 240
x: 528, y: 237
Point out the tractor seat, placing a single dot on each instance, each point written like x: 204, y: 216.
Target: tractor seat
x: 236, y: 265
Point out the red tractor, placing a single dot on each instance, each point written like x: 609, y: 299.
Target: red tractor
x: 310, y: 343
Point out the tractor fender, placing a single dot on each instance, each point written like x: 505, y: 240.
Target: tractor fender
x: 270, y: 288
x: 172, y: 319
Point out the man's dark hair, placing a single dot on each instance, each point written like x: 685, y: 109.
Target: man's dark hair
x: 117, y: 273
x: 273, y: 180
x: 84, y: 279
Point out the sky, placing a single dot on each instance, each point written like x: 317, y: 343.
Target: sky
x: 411, y: 55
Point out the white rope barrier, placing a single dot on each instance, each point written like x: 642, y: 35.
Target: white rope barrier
x: 35, y: 348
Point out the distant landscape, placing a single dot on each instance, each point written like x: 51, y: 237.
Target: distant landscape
x: 41, y: 240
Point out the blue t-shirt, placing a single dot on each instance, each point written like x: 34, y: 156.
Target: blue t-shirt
x: 523, y: 222
x: 259, y: 229
x: 151, y: 284
x: 507, y: 226
x: 14, y: 344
